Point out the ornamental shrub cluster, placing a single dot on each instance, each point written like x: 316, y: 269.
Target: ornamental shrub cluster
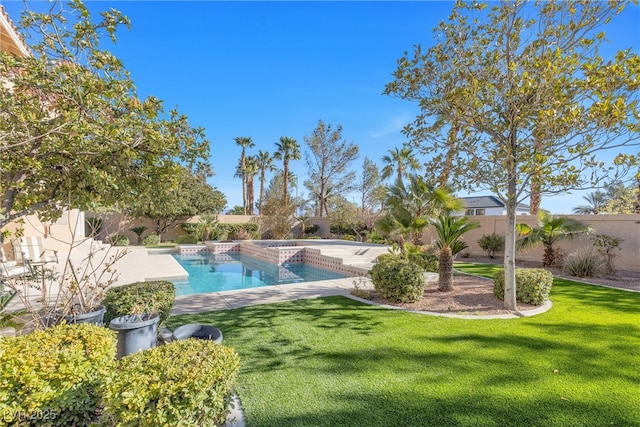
x: 186, y: 383
x: 398, y: 280
x: 426, y: 260
x: 151, y: 240
x: 53, y: 376
x: 187, y: 239
x: 532, y: 285
x: 119, y: 240
x: 68, y: 375
x: 140, y: 297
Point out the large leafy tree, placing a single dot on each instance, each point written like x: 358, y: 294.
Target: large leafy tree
x: 287, y: 149
x: 531, y: 94
x: 168, y: 206
x: 550, y: 229
x: 73, y: 132
x: 328, y: 161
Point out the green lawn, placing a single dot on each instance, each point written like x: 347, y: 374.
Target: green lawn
x: 336, y: 362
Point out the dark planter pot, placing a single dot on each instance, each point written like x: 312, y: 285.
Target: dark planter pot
x: 96, y: 317
x: 203, y: 332
x: 135, y: 333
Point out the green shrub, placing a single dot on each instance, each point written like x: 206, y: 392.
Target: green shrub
x: 532, y: 285
x: 187, y: 239
x: 583, y: 263
x: 386, y: 257
x: 186, y: 383
x: 140, y: 297
x: 491, y: 243
x: 119, y: 240
x: 57, y: 372
x: 191, y: 228
x: 398, y: 280
x: 151, y: 240
x: 429, y: 262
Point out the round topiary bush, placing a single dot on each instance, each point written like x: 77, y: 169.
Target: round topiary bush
x: 187, y: 383
x: 140, y: 297
x: 398, y: 280
x: 532, y: 285
x: 54, y: 376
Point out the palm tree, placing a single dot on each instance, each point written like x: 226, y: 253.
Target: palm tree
x: 204, y: 171
x: 244, y: 142
x: 550, y: 230
x: 450, y: 230
x: 412, y: 205
x: 287, y: 149
x: 399, y: 160
x: 265, y: 163
x: 250, y: 171
x: 597, y: 201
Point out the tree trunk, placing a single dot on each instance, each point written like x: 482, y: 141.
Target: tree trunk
x: 445, y: 270
x: 637, y: 207
x: 549, y: 257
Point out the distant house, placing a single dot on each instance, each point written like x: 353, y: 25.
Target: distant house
x: 489, y: 205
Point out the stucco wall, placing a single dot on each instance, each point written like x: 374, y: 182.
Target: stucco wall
x: 626, y: 227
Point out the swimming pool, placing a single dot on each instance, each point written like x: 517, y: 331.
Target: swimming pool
x: 230, y: 271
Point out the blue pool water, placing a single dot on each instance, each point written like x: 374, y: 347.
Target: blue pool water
x: 225, y: 272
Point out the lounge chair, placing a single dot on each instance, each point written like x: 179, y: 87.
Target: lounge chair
x: 13, y: 268
x: 32, y: 251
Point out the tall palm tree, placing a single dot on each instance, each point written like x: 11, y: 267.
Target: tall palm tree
x: 265, y: 163
x: 450, y: 230
x: 204, y: 171
x: 251, y: 169
x: 597, y: 201
x: 550, y: 230
x: 287, y: 149
x: 399, y: 160
x: 244, y: 142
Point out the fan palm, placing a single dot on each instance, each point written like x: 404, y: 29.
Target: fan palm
x: 287, y: 149
x: 399, y: 160
x: 244, y: 142
x: 596, y: 200
x: 265, y: 163
x: 450, y: 230
x: 550, y: 230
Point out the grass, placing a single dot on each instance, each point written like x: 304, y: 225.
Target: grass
x: 335, y: 362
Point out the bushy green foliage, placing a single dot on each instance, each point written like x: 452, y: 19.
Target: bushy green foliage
x: 190, y: 227
x: 532, y: 285
x: 187, y: 239
x: 186, y: 383
x: 119, y: 240
x: 428, y: 261
x: 140, y: 297
x: 151, y: 240
x: 56, y: 372
x: 583, y: 263
x: 491, y: 243
x: 398, y: 280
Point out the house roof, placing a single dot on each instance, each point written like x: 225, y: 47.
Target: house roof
x: 10, y: 40
x: 488, y: 202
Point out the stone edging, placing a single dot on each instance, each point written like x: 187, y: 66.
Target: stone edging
x: 515, y: 315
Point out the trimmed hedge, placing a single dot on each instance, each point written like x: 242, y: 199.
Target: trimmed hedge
x: 532, y: 285
x: 398, y: 280
x: 153, y: 296
x: 56, y: 373
x: 186, y: 383
x: 187, y: 239
x: 428, y: 261
x: 151, y: 240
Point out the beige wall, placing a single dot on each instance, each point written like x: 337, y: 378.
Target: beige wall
x: 626, y: 227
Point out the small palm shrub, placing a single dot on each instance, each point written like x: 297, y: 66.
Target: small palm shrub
x: 186, y: 383
x: 153, y: 296
x: 57, y: 371
x: 151, y: 240
x: 532, y: 285
x: 491, y: 243
x: 583, y: 263
x: 398, y: 280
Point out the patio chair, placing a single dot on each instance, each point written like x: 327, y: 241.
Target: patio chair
x: 33, y: 251
x: 13, y: 268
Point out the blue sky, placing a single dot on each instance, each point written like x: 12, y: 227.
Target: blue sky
x: 271, y: 69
